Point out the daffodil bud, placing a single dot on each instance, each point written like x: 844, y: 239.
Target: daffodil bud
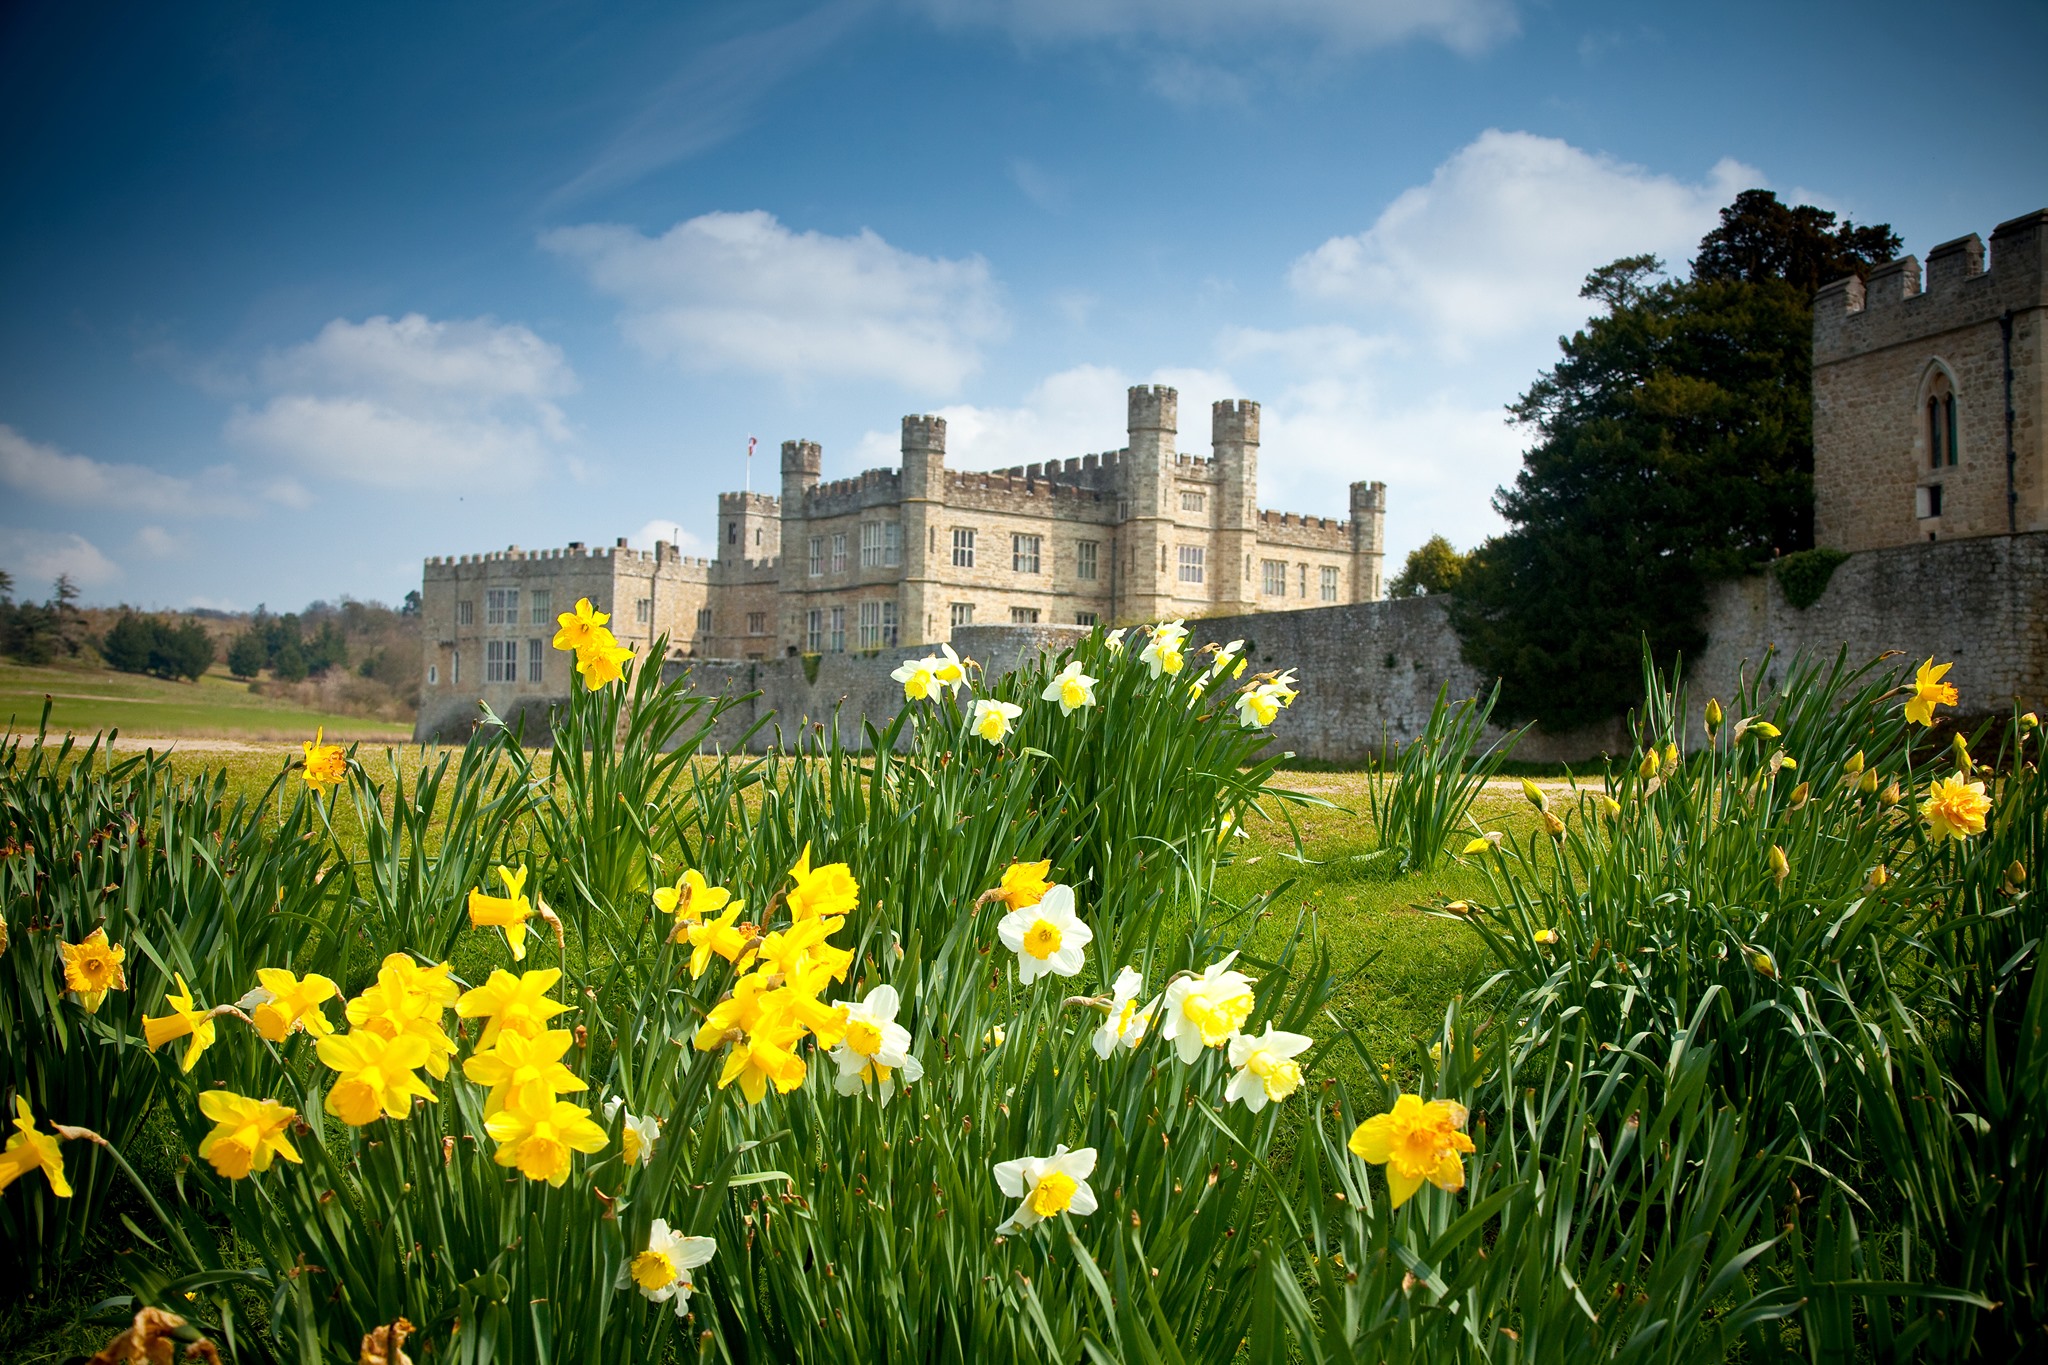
x: 1671, y: 756
x: 1482, y: 843
x: 1855, y: 763
x: 1766, y: 729
x: 1610, y: 807
x: 1961, y: 749
x: 1781, y: 867
x: 1799, y: 795
x: 1760, y: 962
x: 1713, y: 715
x: 1891, y: 795
x: 2029, y: 721
x: 1868, y: 782
x: 1879, y: 875
x: 1546, y: 937
x: 1533, y: 794
x: 1647, y: 769
x: 2016, y: 875
x: 1552, y: 826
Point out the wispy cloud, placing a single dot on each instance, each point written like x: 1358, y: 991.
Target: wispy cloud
x: 1039, y: 185
x: 1352, y: 25
x: 36, y: 557
x: 711, y: 97
x: 741, y: 292
x: 45, y: 473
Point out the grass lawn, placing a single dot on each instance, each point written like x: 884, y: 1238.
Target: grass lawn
x: 217, y: 706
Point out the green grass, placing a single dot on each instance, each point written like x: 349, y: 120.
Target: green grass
x: 216, y: 706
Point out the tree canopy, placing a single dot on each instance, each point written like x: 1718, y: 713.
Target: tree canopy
x: 1432, y: 568
x: 1673, y: 446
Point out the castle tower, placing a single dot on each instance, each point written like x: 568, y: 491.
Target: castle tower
x: 922, y: 512
x: 1234, y: 445
x: 1145, y: 577
x: 801, y: 463
x: 749, y: 527
x: 1368, y: 540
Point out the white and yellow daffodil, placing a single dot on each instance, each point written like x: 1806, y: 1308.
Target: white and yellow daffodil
x: 1266, y: 1069
x: 875, y: 1047
x: 662, y: 1272
x: 1128, y: 1020
x: 994, y: 720
x: 1206, y: 1010
x: 1071, y: 688
x: 1047, y: 938
x: 1047, y: 1185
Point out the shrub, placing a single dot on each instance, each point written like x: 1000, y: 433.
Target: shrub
x: 1804, y: 575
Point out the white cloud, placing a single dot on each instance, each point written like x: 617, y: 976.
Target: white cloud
x: 739, y: 291
x: 1497, y: 243
x: 157, y: 543
x: 47, y: 473
x: 1464, y: 25
x: 36, y: 557
x: 1039, y: 185
x: 411, y: 403
x: 672, y: 532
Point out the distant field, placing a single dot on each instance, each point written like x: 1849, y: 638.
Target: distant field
x: 217, y: 706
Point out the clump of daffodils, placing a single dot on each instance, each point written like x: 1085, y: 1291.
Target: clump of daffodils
x: 600, y: 658
x: 1261, y: 703
x: 933, y: 675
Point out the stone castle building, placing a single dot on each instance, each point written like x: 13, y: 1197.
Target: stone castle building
x: 1927, y: 402
x: 899, y: 558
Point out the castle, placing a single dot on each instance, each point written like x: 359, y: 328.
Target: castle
x: 899, y: 558
x: 1927, y: 417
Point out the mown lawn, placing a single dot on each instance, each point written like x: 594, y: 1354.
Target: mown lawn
x: 85, y: 701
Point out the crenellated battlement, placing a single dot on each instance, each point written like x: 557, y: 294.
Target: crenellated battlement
x: 741, y: 504
x: 922, y: 431
x: 1894, y: 304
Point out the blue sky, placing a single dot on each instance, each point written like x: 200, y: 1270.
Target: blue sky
x: 292, y: 297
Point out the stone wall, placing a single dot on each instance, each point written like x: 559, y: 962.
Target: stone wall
x: 1369, y: 672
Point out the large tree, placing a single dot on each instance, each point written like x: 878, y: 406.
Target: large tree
x: 1673, y: 446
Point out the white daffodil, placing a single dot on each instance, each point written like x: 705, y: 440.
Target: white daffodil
x: 1072, y: 689
x: 876, y: 1047
x: 1206, y: 1010
x: 920, y: 678
x: 662, y: 1272
x: 1162, y: 653
x: 1047, y: 937
x: 1114, y: 641
x: 1127, y: 1020
x: 638, y: 1136
x: 1258, y: 705
x: 947, y: 667
x: 1048, y: 1185
x: 993, y: 720
x: 1227, y: 656
x: 1266, y: 1069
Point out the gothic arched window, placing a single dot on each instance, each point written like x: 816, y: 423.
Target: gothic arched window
x: 1941, y: 422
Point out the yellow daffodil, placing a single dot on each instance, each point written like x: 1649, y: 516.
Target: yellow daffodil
x: 1071, y: 688
x: 28, y: 1150
x: 827, y: 890
x: 723, y: 937
x: 408, y: 1000
x: 1877, y: 879
x: 1266, y: 1069
x: 1204, y: 1011
x: 508, y: 912
x: 325, y: 765
x: 1416, y: 1140
x: 511, y: 1004
x: 1048, y: 937
x: 1023, y: 884
x: 1128, y: 1021
x: 1048, y: 1186
x: 186, y: 1020
x: 994, y: 720
x: 800, y: 949
x: 875, y: 1048
x: 581, y: 627
x: 1868, y: 782
x: 662, y: 1272
x: 602, y: 662
x: 518, y: 1062
x: 1890, y: 796
x: 690, y: 900
x: 247, y: 1134
x: 766, y: 1055
x: 538, y: 1135
x: 1954, y: 808
x: 292, y: 1003
x: 375, y: 1077
x: 1929, y: 691
x: 92, y: 968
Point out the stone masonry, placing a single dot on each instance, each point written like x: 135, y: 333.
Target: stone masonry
x: 1911, y: 425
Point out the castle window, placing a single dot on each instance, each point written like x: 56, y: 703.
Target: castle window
x: 963, y: 613
x: 1941, y: 423
x: 1023, y: 616
x: 1084, y: 558
x: 871, y: 545
x: 817, y: 556
x: 1085, y: 618
x: 732, y: 532
x: 1191, y: 563
x: 757, y: 623
x: 1123, y: 509
x: 703, y: 620
x: 839, y: 552
x: 757, y: 537
x: 455, y: 668
x: 501, y: 607
x: 1273, y: 577
x: 433, y: 675
x: 814, y: 631
x: 542, y: 600
x: 1304, y: 580
x: 1928, y: 500
x: 501, y: 661
x: 535, y: 661
x: 963, y: 547
x: 1191, y: 501
x: 870, y: 625
x: 465, y: 613
x: 889, y: 631
x: 1024, y: 553
x: 839, y: 628
x: 1329, y: 583
x: 643, y: 611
